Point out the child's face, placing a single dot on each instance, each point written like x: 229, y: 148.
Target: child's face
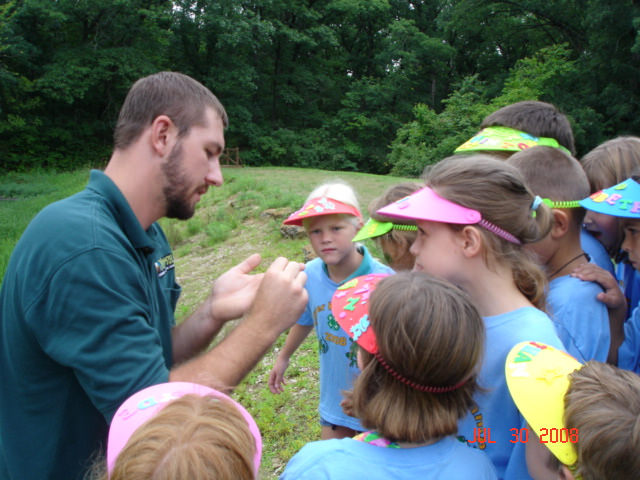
x: 435, y: 250
x: 541, y: 463
x: 330, y: 237
x: 631, y: 242
x: 604, y: 228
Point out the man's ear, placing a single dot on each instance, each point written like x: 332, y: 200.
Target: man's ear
x: 471, y: 241
x: 561, y: 221
x: 163, y: 135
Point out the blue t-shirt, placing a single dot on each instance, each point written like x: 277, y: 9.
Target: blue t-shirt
x: 495, y: 410
x: 629, y: 351
x: 581, y: 320
x: 629, y: 280
x: 596, y: 251
x: 337, y: 351
x: 86, y: 312
x: 347, y: 458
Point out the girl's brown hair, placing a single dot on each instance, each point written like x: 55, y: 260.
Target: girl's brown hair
x: 390, y: 195
x: 194, y: 437
x: 429, y: 332
x: 611, y: 162
x: 498, y: 191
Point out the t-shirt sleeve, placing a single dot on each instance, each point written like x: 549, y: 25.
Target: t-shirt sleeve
x: 98, y: 322
x: 629, y: 351
x: 307, y: 464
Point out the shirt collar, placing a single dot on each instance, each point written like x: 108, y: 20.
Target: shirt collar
x: 100, y: 183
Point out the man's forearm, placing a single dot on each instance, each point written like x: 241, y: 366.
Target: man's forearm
x: 224, y: 366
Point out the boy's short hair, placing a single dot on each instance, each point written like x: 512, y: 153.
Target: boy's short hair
x: 536, y: 118
x: 611, y: 162
x: 603, y: 404
x: 174, y: 94
x: 552, y: 174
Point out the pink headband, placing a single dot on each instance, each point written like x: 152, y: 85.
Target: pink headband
x: 146, y: 403
x: 321, y: 206
x: 426, y: 204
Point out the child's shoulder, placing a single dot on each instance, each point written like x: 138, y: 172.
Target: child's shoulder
x: 573, y: 290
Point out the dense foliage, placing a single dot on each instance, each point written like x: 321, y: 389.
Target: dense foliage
x: 367, y: 85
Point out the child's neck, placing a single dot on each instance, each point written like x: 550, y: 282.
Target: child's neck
x: 493, y: 291
x: 564, y: 260
x: 339, y: 272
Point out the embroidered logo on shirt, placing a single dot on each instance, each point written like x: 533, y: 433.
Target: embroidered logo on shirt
x: 163, y: 265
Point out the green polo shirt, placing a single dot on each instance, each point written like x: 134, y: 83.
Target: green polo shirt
x: 86, y: 311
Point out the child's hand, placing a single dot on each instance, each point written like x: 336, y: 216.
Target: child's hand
x: 612, y: 297
x: 276, y: 377
x: 347, y: 404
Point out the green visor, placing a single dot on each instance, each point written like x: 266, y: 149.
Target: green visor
x: 506, y: 139
x: 374, y: 228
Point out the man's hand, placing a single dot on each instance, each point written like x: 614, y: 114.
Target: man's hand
x: 277, y: 304
x: 281, y: 297
x: 234, y: 291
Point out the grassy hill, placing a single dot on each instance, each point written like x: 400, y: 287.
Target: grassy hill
x: 231, y: 222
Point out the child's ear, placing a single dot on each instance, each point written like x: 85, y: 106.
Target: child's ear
x: 471, y: 241
x: 565, y: 473
x: 561, y: 222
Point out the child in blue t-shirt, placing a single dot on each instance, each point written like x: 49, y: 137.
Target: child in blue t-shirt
x: 410, y: 394
x: 606, y: 165
x: 581, y: 320
x: 331, y: 219
x: 622, y: 201
x: 473, y: 218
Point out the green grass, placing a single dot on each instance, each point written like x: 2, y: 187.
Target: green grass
x: 227, y: 227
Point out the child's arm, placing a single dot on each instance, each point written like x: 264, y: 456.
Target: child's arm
x: 613, y: 298
x: 296, y: 336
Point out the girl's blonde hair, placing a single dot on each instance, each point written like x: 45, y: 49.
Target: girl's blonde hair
x: 415, y: 318
x: 498, y: 191
x: 195, y: 437
x: 338, y: 190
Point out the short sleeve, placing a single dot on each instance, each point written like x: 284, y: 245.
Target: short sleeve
x: 97, y: 318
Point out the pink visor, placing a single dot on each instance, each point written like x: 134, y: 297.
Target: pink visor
x: 350, y: 307
x: 143, y: 405
x: 426, y: 204
x: 321, y: 206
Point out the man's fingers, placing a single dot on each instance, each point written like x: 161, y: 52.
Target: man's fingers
x: 249, y: 263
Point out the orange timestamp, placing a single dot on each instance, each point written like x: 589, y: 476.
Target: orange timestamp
x: 547, y: 435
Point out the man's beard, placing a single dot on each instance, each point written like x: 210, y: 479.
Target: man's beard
x: 176, y: 190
